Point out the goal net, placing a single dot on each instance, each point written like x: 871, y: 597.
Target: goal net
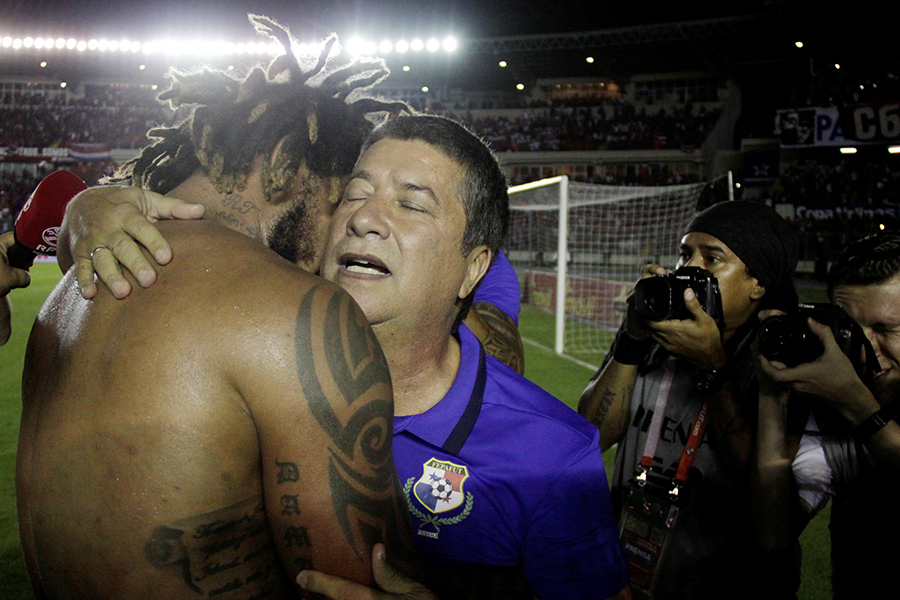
x: 578, y: 249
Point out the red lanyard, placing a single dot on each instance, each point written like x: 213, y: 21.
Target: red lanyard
x: 693, y: 441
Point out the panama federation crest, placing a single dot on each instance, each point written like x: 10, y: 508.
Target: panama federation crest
x: 439, y: 490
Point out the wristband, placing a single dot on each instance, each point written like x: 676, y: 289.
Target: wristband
x: 869, y: 427
x: 627, y: 350
x: 710, y: 381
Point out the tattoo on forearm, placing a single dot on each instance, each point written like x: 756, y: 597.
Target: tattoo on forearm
x: 346, y: 381
x: 599, y: 417
x: 613, y: 404
x: 502, y: 340
x: 222, y: 554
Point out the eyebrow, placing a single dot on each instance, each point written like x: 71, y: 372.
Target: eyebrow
x: 405, y: 185
x: 707, y: 247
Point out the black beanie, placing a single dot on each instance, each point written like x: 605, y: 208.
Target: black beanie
x: 758, y: 235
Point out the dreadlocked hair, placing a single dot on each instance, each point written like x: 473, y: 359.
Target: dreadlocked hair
x: 234, y: 120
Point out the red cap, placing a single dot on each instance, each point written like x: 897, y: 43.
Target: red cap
x: 37, y: 225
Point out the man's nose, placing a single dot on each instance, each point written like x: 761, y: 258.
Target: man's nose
x: 371, y: 217
x: 696, y: 261
x: 873, y: 339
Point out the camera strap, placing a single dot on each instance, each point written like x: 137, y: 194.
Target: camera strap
x: 649, y: 510
x: 690, y: 447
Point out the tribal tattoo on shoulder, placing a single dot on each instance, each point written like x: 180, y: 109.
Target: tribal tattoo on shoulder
x: 347, y: 383
x: 503, y: 341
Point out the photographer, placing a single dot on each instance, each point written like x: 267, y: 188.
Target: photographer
x: 852, y: 450
x: 663, y: 377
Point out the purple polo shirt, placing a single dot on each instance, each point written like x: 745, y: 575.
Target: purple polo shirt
x: 501, y: 473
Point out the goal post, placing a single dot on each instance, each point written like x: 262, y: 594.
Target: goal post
x: 578, y: 249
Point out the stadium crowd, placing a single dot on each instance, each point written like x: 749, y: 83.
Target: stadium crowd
x: 588, y: 128
x: 119, y: 116
x: 116, y: 116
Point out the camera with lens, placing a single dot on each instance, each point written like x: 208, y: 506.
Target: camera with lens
x: 661, y: 297
x: 788, y: 339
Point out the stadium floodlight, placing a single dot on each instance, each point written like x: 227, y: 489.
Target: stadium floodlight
x: 17, y: 43
x: 450, y: 44
x: 385, y: 47
x: 417, y: 45
x: 92, y: 44
x: 71, y: 43
x: 433, y: 45
x: 60, y: 43
x: 354, y: 46
x: 401, y: 46
x: 113, y: 46
x: 28, y: 42
x: 81, y: 46
x: 39, y: 43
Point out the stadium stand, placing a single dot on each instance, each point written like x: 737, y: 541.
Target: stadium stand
x: 648, y: 129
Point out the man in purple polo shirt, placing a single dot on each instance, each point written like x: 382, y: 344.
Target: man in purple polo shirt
x: 505, y: 484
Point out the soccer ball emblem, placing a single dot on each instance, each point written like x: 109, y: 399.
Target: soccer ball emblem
x: 441, y: 488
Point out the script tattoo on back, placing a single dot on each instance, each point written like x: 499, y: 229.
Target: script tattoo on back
x: 226, y: 554
x: 346, y: 381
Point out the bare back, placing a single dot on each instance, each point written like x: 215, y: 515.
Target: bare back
x: 210, y: 436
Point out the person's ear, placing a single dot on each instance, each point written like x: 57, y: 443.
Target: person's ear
x: 478, y: 262
x: 757, y: 291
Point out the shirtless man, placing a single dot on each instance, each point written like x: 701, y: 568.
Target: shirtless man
x: 218, y: 433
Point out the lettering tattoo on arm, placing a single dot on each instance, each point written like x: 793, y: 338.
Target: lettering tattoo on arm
x: 346, y: 381
x: 502, y: 339
x: 295, y: 535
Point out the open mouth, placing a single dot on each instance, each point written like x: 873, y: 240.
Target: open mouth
x: 365, y: 265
